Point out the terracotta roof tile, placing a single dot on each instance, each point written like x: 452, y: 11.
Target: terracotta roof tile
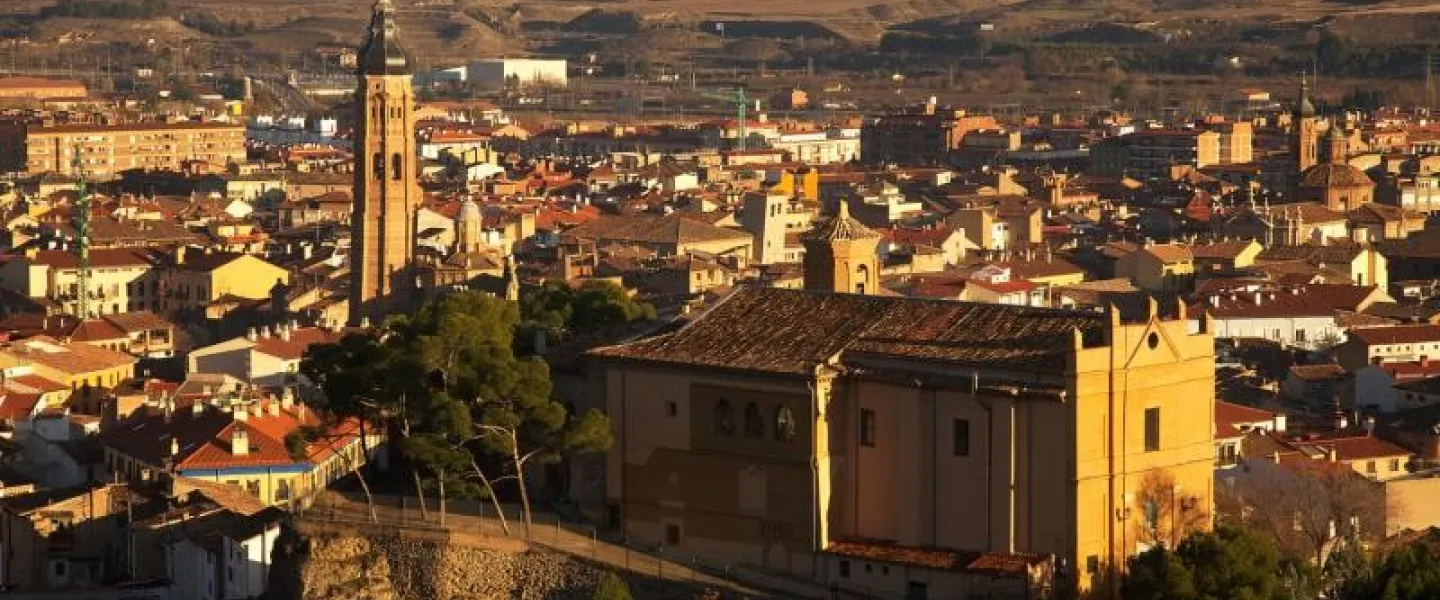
x: 1402, y: 334
x: 939, y: 558
x: 793, y: 331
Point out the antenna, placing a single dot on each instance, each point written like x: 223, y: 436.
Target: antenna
x: 82, y: 234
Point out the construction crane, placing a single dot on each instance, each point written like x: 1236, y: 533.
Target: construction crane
x: 742, y: 103
x: 82, y: 235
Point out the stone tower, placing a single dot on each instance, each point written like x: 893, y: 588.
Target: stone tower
x: 382, y: 231
x: 841, y: 255
x: 467, y: 227
x: 1337, y: 146
x: 1307, y: 132
x: 764, y: 217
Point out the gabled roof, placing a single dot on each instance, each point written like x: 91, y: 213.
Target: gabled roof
x: 1400, y: 334
x: 793, y: 331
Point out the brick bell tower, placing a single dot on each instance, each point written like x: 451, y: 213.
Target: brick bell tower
x: 382, y: 231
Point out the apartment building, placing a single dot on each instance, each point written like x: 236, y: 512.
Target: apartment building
x: 1151, y: 154
x: 107, y: 149
x: 919, y: 138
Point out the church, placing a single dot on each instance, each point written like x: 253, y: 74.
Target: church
x: 909, y: 446
x: 1335, y: 184
x: 386, y: 273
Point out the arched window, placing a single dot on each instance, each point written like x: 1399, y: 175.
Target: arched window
x: 724, y: 418
x: 377, y: 164
x: 754, y: 421
x: 397, y: 168
x: 862, y: 276
x: 784, y: 424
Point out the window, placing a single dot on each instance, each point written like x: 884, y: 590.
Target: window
x: 672, y: 534
x: 1152, y: 429
x: 377, y: 164
x: 962, y: 437
x: 397, y: 169
x: 60, y: 568
x: 845, y: 569
x: 784, y: 424
x: 862, y: 275
x: 754, y: 421
x: 1299, y: 335
x: 1369, y: 466
x: 867, y: 428
x: 1394, y: 464
x: 724, y: 418
x: 671, y: 409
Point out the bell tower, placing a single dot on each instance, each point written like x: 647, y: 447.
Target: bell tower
x: 841, y: 255
x: 1307, y: 131
x: 382, y: 233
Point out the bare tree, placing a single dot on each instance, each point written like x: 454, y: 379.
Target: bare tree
x: 1168, y: 512
x: 1308, y: 504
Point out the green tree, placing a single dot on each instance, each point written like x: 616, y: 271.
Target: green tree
x: 352, y: 376
x: 611, y: 587
x: 595, y: 309
x: 1227, y: 564
x: 461, y: 347
x: 1410, y: 572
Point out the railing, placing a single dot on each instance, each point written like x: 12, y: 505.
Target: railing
x: 474, y: 523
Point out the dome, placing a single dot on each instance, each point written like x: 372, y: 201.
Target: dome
x: 469, y: 210
x: 382, y: 53
x: 840, y: 228
x: 1335, y: 175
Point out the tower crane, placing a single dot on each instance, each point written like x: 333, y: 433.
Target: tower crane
x: 741, y: 101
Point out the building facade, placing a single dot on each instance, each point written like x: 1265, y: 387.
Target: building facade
x: 822, y: 421
x: 106, y: 150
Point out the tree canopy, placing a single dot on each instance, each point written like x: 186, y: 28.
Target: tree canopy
x: 447, y: 382
x: 1227, y: 564
x: 562, y: 311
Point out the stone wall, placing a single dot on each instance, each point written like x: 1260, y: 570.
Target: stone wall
x: 387, y: 565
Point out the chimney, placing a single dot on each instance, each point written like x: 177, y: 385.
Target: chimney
x: 1278, y: 423
x: 240, y: 414
x: 174, y: 446
x: 287, y: 398
x: 1259, y: 298
x: 1275, y: 457
x: 251, y: 334
x: 180, y: 255
x: 239, y: 442
x: 273, y: 408
x: 197, y: 409
x: 1370, y: 425
x: 285, y: 332
x: 1330, y: 454
x: 265, y: 333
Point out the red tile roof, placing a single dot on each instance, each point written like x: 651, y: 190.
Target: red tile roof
x: 299, y: 340
x: 938, y: 558
x: 1402, y: 334
x: 1230, y: 418
x: 205, y: 439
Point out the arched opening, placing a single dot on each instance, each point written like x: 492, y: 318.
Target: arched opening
x: 377, y: 164
x: 754, y: 421
x: 862, y: 276
x: 784, y: 424
x: 724, y: 418
x: 397, y: 169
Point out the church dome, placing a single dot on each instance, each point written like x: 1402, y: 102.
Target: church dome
x: 1334, y: 175
x: 382, y: 53
x: 840, y: 228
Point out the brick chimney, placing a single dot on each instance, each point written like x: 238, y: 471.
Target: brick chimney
x: 239, y: 442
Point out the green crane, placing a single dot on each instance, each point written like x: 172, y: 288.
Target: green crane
x: 742, y: 102
x: 82, y: 235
